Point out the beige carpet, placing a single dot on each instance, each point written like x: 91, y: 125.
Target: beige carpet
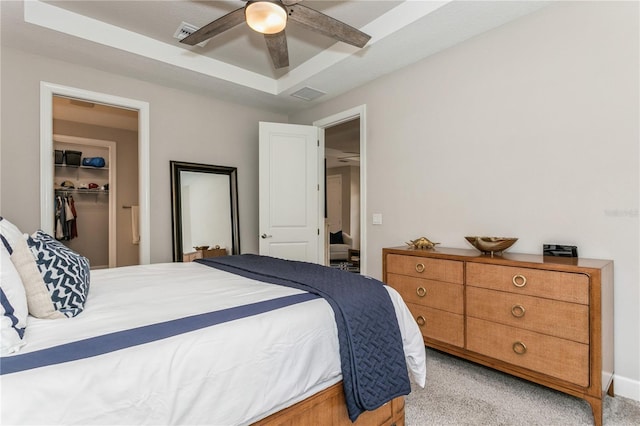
x: 459, y: 392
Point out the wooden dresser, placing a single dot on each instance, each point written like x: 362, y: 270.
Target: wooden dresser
x: 545, y: 319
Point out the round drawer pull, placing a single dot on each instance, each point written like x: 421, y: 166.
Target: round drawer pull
x: 517, y: 311
x: 420, y: 267
x: 519, y: 348
x: 421, y: 291
x: 519, y: 280
x: 421, y: 321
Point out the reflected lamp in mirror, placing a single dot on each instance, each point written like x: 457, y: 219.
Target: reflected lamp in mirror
x: 204, y: 208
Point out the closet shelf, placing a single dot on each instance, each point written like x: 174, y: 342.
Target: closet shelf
x: 81, y: 191
x: 81, y: 167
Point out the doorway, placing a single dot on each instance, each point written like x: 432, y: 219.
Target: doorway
x: 342, y: 154
x: 344, y: 144
x: 104, y: 213
x: 84, y: 99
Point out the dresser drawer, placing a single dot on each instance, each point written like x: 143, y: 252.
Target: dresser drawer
x: 552, y: 317
x: 434, y: 294
x: 559, y: 358
x: 567, y: 286
x: 451, y: 271
x: 439, y: 325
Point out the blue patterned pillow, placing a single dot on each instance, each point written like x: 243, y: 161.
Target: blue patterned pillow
x: 65, y: 273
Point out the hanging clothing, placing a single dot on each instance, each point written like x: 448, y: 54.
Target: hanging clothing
x: 74, y: 227
x: 65, y: 218
x: 58, y: 219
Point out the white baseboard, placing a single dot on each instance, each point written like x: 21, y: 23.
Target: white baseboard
x: 623, y: 386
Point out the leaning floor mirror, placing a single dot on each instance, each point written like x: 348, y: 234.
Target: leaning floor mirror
x: 204, y: 210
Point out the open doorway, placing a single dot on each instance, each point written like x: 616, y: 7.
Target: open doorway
x: 343, y: 211
x: 356, y: 113
x: 47, y: 156
x: 103, y: 222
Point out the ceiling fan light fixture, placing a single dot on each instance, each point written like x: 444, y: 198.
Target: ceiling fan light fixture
x: 266, y: 17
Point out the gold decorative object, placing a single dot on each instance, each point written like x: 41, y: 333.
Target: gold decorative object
x: 491, y: 245
x: 201, y: 247
x: 422, y: 243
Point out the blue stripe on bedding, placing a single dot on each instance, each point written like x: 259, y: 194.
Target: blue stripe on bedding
x: 111, y: 342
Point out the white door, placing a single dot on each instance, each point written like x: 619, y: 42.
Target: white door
x: 289, y: 192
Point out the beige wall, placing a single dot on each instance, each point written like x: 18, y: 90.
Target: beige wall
x: 530, y: 131
x: 183, y: 126
x: 345, y: 174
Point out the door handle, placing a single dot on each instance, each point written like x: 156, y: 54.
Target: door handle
x: 263, y: 236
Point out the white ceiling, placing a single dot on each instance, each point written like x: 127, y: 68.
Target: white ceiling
x: 135, y: 38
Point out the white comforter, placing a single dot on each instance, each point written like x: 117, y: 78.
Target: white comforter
x: 231, y: 373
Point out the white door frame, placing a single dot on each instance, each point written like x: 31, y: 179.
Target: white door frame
x: 333, y: 120
x: 47, y: 92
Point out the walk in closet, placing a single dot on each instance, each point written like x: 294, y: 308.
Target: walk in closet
x: 84, y: 199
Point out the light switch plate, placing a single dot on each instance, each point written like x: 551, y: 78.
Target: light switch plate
x: 377, y: 218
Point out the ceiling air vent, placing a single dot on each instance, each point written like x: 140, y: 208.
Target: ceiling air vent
x: 308, y: 94
x: 185, y: 30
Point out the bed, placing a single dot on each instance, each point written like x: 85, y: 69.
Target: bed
x: 271, y: 354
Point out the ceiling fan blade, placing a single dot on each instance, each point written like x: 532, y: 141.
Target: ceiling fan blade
x: 277, y: 45
x: 323, y: 24
x: 216, y: 27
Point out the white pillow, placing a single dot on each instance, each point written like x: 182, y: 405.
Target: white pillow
x: 11, y: 233
x: 13, y: 305
x: 38, y: 296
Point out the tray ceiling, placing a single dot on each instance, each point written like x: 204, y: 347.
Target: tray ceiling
x: 135, y: 38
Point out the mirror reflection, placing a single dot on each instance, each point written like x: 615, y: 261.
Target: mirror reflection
x: 205, y: 210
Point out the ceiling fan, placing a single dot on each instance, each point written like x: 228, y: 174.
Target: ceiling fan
x: 270, y: 17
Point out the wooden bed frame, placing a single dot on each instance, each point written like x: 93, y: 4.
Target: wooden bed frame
x: 328, y: 407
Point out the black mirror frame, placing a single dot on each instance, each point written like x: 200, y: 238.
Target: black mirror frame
x: 176, y: 201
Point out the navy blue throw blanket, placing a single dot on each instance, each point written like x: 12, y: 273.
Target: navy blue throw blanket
x: 371, y: 352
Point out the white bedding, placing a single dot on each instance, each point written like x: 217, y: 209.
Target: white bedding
x: 231, y: 373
